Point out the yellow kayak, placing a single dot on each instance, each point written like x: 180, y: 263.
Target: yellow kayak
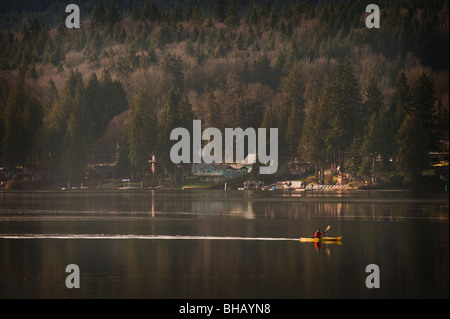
x: 321, y: 240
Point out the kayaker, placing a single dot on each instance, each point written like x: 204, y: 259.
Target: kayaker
x: 318, y: 234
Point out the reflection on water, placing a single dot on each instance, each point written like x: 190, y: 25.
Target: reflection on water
x: 222, y: 244
x: 238, y: 204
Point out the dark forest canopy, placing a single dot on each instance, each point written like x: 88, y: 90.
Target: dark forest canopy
x: 341, y: 94
x: 407, y: 25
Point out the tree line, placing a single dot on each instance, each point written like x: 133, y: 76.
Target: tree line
x: 369, y: 101
x: 58, y: 130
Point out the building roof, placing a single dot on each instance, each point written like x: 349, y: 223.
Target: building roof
x: 250, y: 159
x: 238, y: 166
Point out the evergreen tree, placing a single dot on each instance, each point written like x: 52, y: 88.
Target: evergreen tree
x: 54, y: 126
x: 172, y: 68
x: 372, y: 145
x: 135, y: 13
x: 113, y: 16
x: 373, y: 136
x: 293, y: 130
x: 22, y: 118
x: 74, y: 140
x: 443, y: 122
x: 166, y: 123
x: 175, y: 14
x: 312, y: 145
x: 373, y: 103
x: 270, y: 118
x: 94, y: 107
x: 342, y: 106
x: 66, y: 130
x: 141, y: 132
x: 282, y: 116
x: 165, y: 35
x: 56, y: 53
x: 253, y: 16
x: 214, y: 116
x: 51, y: 94
x: 416, y: 136
x: 293, y: 88
x: 424, y: 107
x: 411, y: 159
x: 98, y: 16
x: 113, y: 98
x: 150, y: 12
x: 220, y: 10
x: 354, y: 157
x: 176, y: 113
x: 263, y: 72
x: 4, y: 92
x: 196, y: 16
x: 73, y: 159
x: 232, y: 19
x: 400, y: 103
x: 185, y: 115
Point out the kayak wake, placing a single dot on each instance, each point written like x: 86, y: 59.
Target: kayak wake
x: 143, y: 237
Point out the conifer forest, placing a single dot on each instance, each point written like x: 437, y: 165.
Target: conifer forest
x: 370, y: 102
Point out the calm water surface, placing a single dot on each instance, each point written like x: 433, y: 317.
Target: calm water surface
x: 217, y: 244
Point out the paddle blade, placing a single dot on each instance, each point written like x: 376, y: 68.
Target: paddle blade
x: 328, y: 228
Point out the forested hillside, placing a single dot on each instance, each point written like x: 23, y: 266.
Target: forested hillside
x: 373, y: 102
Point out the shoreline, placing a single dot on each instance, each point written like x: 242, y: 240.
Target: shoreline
x: 278, y: 191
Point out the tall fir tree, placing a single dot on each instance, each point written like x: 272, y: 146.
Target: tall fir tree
x: 94, y: 107
x: 176, y: 113
x: 417, y: 134
x: 220, y: 10
x: 141, y: 132
x: 312, y: 146
x: 293, y: 129
x: 113, y: 16
x: 400, y: 103
x: 74, y: 148
x: 98, y: 16
x: 22, y: 118
x: 214, y: 112
x: 292, y: 90
x: 342, y: 105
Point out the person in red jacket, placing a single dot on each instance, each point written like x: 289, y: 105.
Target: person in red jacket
x: 318, y: 234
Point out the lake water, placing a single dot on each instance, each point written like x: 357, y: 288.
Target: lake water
x: 223, y: 244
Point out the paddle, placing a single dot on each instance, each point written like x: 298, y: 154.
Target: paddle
x: 326, y: 229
